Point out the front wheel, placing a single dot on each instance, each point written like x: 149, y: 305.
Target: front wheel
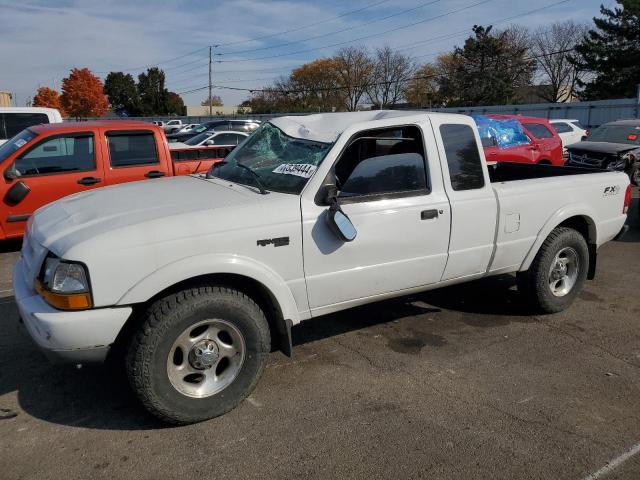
x: 557, y: 273
x: 198, y: 354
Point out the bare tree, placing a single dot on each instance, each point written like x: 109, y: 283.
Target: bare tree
x: 354, y: 69
x: 391, y: 71
x: 552, y: 46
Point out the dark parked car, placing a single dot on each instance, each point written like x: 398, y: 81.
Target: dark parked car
x: 612, y: 146
x: 246, y: 126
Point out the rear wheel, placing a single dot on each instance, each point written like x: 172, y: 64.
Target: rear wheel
x: 198, y: 354
x: 557, y: 272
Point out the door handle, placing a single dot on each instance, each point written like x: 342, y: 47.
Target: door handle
x: 154, y: 174
x: 429, y: 214
x: 89, y: 180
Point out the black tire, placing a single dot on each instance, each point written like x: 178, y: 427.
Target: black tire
x: 164, y: 322
x: 534, y: 284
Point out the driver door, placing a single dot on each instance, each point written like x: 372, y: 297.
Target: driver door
x: 402, y: 222
x: 55, y: 167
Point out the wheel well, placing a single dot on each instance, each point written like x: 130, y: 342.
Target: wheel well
x: 279, y: 327
x: 585, y: 227
x: 544, y: 162
x: 582, y: 225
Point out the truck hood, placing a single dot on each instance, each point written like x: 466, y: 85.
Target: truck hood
x: 73, y: 219
x: 601, y: 147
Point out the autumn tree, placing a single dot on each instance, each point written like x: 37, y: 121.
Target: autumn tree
x: 314, y: 86
x: 611, y: 53
x: 214, y: 101
x: 175, y: 104
x: 83, y: 94
x: 49, y: 98
x: 489, y: 69
x: 422, y: 90
x: 354, y: 69
x: 391, y: 70
x: 122, y: 93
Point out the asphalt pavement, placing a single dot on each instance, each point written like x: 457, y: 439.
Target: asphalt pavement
x: 457, y: 383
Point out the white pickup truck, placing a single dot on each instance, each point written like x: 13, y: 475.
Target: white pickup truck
x: 195, y: 279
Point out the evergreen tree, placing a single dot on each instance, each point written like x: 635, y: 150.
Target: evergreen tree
x: 154, y: 97
x: 122, y: 92
x: 611, y: 53
x: 489, y: 69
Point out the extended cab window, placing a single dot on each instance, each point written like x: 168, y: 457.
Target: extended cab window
x: 538, y: 130
x: 383, y: 162
x: 463, y: 158
x: 130, y: 149
x: 60, y: 154
x: 13, y: 123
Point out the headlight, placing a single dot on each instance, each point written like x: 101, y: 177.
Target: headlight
x: 64, y: 284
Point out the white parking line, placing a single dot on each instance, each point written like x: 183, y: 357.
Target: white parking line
x: 615, y: 463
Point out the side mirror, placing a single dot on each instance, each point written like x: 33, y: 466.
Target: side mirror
x: 10, y: 174
x: 210, y: 142
x: 339, y: 223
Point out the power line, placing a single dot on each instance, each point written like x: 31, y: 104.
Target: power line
x: 364, y: 37
x: 309, y: 25
x: 326, y: 89
x: 327, y: 34
x: 144, y: 67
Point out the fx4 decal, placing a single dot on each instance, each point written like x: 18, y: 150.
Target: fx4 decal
x: 613, y: 190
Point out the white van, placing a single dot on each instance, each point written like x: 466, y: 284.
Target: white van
x: 15, y: 119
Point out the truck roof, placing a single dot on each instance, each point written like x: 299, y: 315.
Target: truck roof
x: 327, y: 127
x: 75, y: 126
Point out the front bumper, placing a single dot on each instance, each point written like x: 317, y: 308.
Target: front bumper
x: 66, y: 337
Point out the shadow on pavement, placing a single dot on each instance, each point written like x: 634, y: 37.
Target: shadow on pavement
x: 100, y: 398
x: 13, y: 245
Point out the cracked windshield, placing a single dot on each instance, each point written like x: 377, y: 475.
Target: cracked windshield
x: 281, y: 163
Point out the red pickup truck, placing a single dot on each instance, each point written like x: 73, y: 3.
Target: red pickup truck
x: 544, y: 146
x: 46, y: 162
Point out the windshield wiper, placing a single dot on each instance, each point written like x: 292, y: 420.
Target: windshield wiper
x: 255, y: 176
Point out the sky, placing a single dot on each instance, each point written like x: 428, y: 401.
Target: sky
x: 255, y: 41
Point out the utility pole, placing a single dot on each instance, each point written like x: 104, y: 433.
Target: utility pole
x: 210, y: 85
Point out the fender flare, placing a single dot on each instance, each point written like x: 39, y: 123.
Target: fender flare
x: 559, y: 216
x: 198, y: 265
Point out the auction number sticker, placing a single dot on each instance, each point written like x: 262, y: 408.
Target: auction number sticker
x: 304, y: 170
x: 20, y: 142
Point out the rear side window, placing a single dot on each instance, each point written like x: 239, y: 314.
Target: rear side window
x: 463, y: 159
x: 538, y: 130
x: 13, y: 123
x: 130, y: 149
x: 562, y: 127
x: 61, y: 154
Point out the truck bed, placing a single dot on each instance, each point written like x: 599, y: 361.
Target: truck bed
x: 510, y: 171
